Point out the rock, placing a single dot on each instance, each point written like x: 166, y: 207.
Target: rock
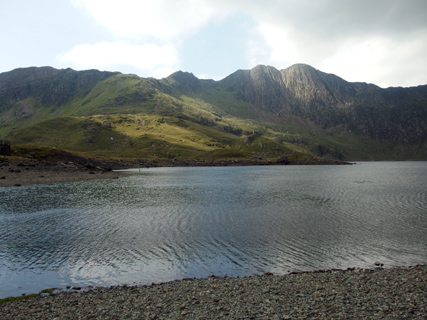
x: 343, y: 295
x: 89, y: 166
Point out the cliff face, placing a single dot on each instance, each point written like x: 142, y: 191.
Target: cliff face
x: 262, y: 87
x: 299, y: 88
x: 395, y: 114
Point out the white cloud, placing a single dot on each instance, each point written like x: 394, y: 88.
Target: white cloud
x: 283, y: 45
x: 377, y: 58
x: 382, y: 60
x: 150, y: 33
x: 156, y: 60
x: 160, y: 19
x: 382, y: 42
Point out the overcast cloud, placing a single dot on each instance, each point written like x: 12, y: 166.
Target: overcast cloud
x: 377, y: 41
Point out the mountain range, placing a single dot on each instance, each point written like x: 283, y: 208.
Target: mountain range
x: 262, y: 113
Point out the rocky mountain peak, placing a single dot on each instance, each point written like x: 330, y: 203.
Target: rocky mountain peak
x: 184, y: 81
x: 309, y: 84
x: 182, y: 76
x: 301, y: 74
x: 262, y: 70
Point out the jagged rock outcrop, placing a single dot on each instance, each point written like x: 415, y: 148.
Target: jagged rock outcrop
x: 395, y: 114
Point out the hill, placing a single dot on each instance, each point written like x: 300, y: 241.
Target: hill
x: 262, y: 114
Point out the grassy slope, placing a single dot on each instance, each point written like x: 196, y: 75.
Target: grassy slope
x: 144, y: 136
x: 127, y: 116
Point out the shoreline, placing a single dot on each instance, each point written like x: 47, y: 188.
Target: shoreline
x: 25, y: 172
x: 66, y: 167
x: 397, y: 293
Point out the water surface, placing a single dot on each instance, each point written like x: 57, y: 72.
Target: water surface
x: 162, y: 224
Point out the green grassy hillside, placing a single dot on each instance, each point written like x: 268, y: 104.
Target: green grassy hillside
x: 149, y: 137
x: 184, y: 118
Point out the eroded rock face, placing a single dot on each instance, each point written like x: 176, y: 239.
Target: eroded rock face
x: 393, y: 114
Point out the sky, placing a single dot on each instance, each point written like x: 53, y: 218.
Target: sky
x: 376, y: 41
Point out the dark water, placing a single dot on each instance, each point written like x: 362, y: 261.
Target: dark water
x: 162, y: 224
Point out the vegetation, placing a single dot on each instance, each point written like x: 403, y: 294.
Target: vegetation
x: 10, y: 299
x: 181, y: 117
x: 27, y: 296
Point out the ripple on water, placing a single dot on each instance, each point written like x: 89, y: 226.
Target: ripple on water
x: 168, y: 223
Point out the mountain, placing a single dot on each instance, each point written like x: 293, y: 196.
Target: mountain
x: 393, y: 114
x: 48, y: 85
x: 262, y: 113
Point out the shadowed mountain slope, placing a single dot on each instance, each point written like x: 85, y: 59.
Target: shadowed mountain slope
x: 263, y: 113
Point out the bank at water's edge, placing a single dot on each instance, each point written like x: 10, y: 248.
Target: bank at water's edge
x: 67, y: 167
x: 398, y: 293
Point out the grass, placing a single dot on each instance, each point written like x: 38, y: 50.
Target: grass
x: 27, y: 296
x: 152, y: 136
x: 148, y: 136
x: 131, y: 117
x: 10, y: 299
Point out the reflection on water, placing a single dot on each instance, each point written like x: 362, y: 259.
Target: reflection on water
x: 161, y: 224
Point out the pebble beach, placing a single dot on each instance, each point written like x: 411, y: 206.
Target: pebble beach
x: 28, y: 172
x: 397, y: 293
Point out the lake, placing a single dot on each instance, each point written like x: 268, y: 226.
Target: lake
x: 163, y: 224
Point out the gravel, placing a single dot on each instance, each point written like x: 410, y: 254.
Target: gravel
x: 29, y: 172
x: 397, y: 293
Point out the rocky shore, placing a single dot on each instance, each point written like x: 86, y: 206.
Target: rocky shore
x: 227, y: 162
x: 398, y: 293
x: 21, y: 172
x: 61, y: 166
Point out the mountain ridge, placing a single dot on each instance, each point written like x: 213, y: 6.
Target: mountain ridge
x: 301, y: 106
